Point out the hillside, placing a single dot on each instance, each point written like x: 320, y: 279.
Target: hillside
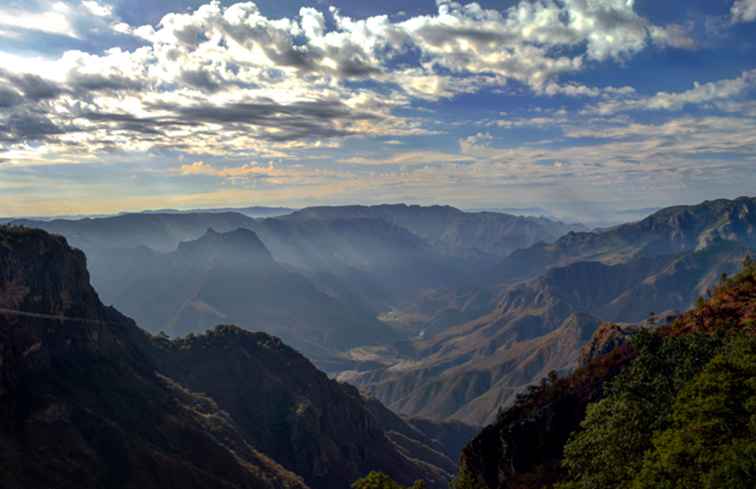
x: 124, y: 408
x: 478, y: 235
x: 81, y: 404
x: 469, y: 370
x: 670, y: 231
x: 650, y: 409
x: 232, y: 278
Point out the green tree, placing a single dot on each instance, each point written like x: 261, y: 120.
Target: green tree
x: 466, y: 480
x: 380, y: 480
x: 608, y: 450
x: 711, y: 443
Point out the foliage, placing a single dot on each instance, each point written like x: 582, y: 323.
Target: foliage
x: 379, y: 480
x: 466, y: 480
x: 617, y: 430
x: 683, y: 413
x: 711, y: 442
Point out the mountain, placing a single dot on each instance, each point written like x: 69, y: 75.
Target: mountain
x: 158, y: 231
x: 657, y: 267
x: 232, y: 278
x: 647, y: 408
x: 82, y: 406
x: 674, y: 230
x: 254, y: 211
x: 382, y: 260
x: 363, y: 260
x: 452, y: 231
x: 316, y: 427
x: 90, y: 400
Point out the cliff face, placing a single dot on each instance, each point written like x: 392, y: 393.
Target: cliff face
x: 670, y: 231
x: 231, y: 278
x: 82, y: 406
x: 87, y: 399
x: 658, y: 266
x: 314, y: 426
x: 525, y: 446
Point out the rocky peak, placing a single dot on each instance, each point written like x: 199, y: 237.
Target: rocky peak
x: 238, y: 246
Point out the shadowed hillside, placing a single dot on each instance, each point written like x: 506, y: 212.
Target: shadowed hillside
x: 656, y: 267
x: 126, y: 409
x: 647, y: 408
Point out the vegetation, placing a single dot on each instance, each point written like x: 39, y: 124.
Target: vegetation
x: 683, y: 413
x: 379, y: 480
x: 668, y: 408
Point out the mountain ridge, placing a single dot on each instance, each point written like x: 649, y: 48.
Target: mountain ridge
x: 126, y: 410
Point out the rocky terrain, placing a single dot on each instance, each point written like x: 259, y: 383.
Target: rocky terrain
x: 656, y: 267
x: 611, y: 422
x: 232, y: 278
x: 475, y: 235
x: 90, y: 400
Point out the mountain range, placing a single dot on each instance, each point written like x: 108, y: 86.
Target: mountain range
x: 649, y: 407
x: 435, y: 331
x: 552, y: 295
x: 325, y: 280
x: 88, y: 399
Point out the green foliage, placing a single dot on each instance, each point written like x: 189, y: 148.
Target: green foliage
x: 379, y: 480
x: 466, y: 480
x: 711, y: 442
x: 608, y: 450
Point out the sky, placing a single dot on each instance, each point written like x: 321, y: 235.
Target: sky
x: 587, y: 109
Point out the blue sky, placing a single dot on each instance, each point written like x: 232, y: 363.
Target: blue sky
x: 586, y: 108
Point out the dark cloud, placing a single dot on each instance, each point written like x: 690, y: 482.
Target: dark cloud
x: 357, y: 68
x: 82, y: 83
x: 201, y: 80
x: 33, y: 87
x: 301, y: 120
x: 28, y: 127
x: 9, y: 98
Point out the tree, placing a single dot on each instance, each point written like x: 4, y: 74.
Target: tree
x: 380, y: 480
x: 711, y: 443
x: 617, y: 431
x: 466, y: 480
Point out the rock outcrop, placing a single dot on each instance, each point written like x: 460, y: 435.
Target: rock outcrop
x: 87, y: 399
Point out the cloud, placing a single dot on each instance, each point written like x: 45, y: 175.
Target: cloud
x: 202, y: 168
x: 743, y: 11
x: 228, y: 80
x: 406, y: 158
x: 98, y: 9
x: 297, y: 175
x: 53, y: 18
x: 701, y: 93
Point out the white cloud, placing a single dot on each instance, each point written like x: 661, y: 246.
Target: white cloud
x: 701, y: 93
x: 98, y: 9
x: 227, y: 80
x: 407, y: 158
x: 54, y: 19
x: 743, y: 11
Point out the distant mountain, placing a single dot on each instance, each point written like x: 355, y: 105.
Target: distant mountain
x: 160, y: 232
x: 88, y: 400
x: 452, y: 231
x: 232, y: 278
x: 380, y: 257
x: 657, y: 266
x: 254, y: 211
x: 325, y: 279
x: 669, y: 231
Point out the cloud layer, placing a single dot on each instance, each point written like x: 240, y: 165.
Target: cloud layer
x: 226, y: 101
